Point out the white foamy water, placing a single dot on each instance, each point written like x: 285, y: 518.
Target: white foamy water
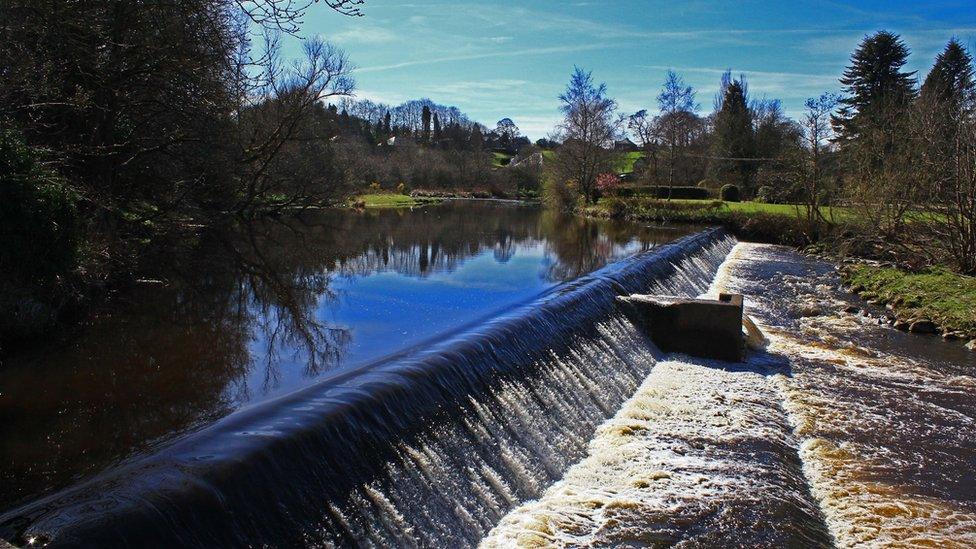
x: 887, y: 439
x: 842, y: 424
x: 702, y: 453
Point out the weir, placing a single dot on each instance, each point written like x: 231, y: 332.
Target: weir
x: 431, y: 448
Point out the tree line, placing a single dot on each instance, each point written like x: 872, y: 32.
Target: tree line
x: 422, y: 145
x: 899, y: 157
x: 124, y: 120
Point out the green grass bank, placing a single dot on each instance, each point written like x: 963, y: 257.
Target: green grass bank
x: 945, y: 298
x: 759, y: 222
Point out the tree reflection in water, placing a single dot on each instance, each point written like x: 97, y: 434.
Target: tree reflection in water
x: 238, y: 310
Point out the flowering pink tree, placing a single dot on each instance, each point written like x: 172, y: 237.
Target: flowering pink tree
x: 607, y: 184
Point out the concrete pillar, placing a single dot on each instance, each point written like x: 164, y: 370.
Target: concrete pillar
x: 698, y: 327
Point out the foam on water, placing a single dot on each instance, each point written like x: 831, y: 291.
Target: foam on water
x: 841, y: 426
x: 887, y: 439
x: 701, y: 454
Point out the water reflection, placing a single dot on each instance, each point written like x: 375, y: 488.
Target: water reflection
x: 243, y: 314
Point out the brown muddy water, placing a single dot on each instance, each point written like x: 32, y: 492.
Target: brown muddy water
x: 842, y: 422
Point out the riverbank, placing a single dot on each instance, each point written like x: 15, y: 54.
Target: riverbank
x: 381, y: 200
x: 419, y: 198
x: 754, y: 221
x: 935, y: 301
x: 931, y: 301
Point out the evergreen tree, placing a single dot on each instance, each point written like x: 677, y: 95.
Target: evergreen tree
x: 437, y: 128
x: 425, y: 122
x: 878, y: 92
x: 477, y: 141
x: 873, y: 129
x: 951, y: 79
x: 734, y: 141
x: 386, y: 124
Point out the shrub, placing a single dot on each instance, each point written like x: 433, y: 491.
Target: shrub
x: 681, y: 193
x: 402, y: 188
x: 38, y: 216
x: 770, y: 228
x: 374, y: 187
x: 608, y: 184
x: 560, y: 195
x: 730, y: 193
x: 766, y: 194
x: 615, y: 207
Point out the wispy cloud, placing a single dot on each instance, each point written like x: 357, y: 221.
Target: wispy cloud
x: 812, y: 79
x: 372, y: 35
x: 488, y: 55
x: 511, y: 57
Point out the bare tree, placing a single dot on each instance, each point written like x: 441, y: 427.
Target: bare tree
x: 677, y: 102
x: 285, y: 109
x: 944, y: 138
x: 589, y: 128
x: 817, y: 133
x: 288, y: 15
x: 645, y: 128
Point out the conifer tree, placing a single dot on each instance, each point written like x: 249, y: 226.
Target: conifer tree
x: 878, y: 91
x: 873, y: 130
x: 734, y: 142
x: 437, y: 128
x: 477, y: 141
x: 951, y: 79
x: 425, y: 122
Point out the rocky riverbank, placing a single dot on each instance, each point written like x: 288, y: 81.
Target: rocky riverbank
x: 935, y: 301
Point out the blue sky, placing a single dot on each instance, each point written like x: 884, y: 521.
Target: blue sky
x: 509, y: 58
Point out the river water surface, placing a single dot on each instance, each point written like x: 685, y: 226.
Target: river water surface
x: 460, y: 374
x: 245, y: 315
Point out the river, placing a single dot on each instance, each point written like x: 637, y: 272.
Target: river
x: 459, y: 374
x: 239, y: 316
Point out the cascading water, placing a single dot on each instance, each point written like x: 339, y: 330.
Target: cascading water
x: 844, y: 432
x: 428, y: 449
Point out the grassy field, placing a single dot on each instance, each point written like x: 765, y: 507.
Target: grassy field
x: 792, y: 210
x: 626, y: 162
x: 500, y: 159
x: 389, y: 200
x: 939, y: 295
x: 624, y: 165
x: 719, y: 206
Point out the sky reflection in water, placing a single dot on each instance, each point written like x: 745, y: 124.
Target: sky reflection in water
x: 249, y: 314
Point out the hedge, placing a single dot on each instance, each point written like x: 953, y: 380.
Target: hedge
x: 661, y: 191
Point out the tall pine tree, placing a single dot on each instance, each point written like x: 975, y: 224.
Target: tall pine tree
x: 873, y: 130
x: 734, y: 142
x: 477, y: 141
x: 877, y: 91
x: 425, y: 122
x: 951, y: 79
